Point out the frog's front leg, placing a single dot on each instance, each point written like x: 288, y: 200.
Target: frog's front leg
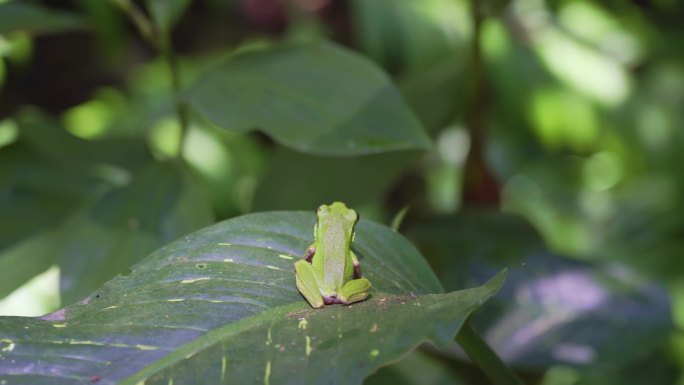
x: 354, y: 291
x: 357, y: 264
x: 310, y: 251
x: 307, y: 283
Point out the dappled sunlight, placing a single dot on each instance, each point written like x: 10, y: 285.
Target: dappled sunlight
x: 100, y: 116
x: 602, y: 171
x: 560, y: 298
x: 165, y: 138
x: 579, y: 66
x: 9, y: 132
x: 445, y: 178
x: 88, y: 120
x: 591, y: 24
x: 38, y: 296
x: 205, y: 153
x: 562, y: 118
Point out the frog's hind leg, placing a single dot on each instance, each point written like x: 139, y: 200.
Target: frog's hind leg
x: 354, y: 291
x: 307, y: 283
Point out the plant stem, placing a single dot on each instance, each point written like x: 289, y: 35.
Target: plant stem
x: 485, y: 358
x: 160, y: 40
x: 142, y: 23
x: 180, y: 107
x: 480, y: 185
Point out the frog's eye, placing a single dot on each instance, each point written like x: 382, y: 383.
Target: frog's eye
x: 322, y: 210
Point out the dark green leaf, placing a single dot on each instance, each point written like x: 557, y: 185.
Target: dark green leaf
x: 416, y: 369
x: 161, y: 204
x: 36, y: 194
x: 220, y: 306
x: 24, y: 260
x: 316, y: 98
x: 24, y: 16
x: 552, y: 310
x: 298, y: 181
x: 49, y: 138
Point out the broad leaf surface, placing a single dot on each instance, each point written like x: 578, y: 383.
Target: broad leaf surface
x: 47, y: 177
x: 36, y: 194
x: 48, y: 137
x: 317, y: 98
x: 220, y: 306
x: 418, y: 368
x: 161, y: 203
x: 552, y: 310
x: 357, y: 181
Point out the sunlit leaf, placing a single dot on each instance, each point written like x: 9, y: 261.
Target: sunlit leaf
x: 317, y: 98
x: 552, y: 310
x: 220, y: 306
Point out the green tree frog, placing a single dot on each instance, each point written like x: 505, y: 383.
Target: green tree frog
x: 330, y: 272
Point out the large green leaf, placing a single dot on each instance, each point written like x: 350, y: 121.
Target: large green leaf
x: 220, y: 306
x: 36, y: 194
x: 417, y: 369
x: 552, y: 310
x: 317, y: 98
x: 162, y: 203
x: 357, y: 180
x: 24, y: 16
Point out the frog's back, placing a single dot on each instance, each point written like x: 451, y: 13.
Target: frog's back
x: 335, y: 249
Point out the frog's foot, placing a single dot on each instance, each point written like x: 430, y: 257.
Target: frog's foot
x: 354, y: 291
x: 331, y: 300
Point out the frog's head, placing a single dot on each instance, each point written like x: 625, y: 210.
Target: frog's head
x: 337, y: 210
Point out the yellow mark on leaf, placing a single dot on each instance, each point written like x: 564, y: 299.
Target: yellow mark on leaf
x: 273, y: 267
x: 302, y: 323
x: 224, y: 363
x: 146, y: 347
x: 9, y: 347
x: 268, y: 337
x: 195, y: 280
x: 373, y: 353
x: 224, y: 244
x: 175, y: 300
x: 374, y: 328
x: 229, y: 260
x: 308, y: 346
x: 283, y: 256
x: 110, y: 307
x: 267, y: 373
x: 59, y: 325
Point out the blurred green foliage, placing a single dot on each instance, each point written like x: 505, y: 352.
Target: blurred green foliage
x: 544, y: 136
